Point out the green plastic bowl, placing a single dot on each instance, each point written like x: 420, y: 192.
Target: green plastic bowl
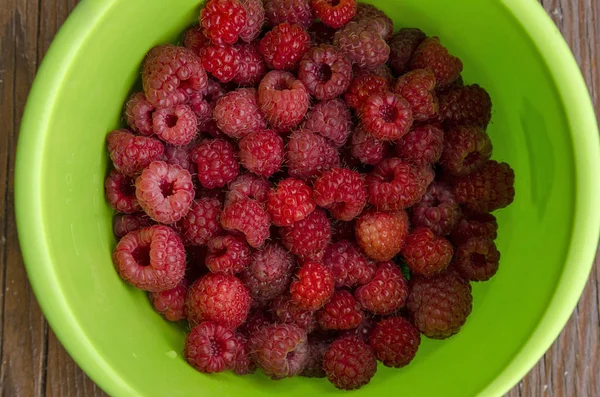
x: 543, y: 125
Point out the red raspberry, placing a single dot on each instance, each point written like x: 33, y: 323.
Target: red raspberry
x: 473, y: 225
x: 395, y: 184
x: 290, y: 11
x: 120, y: 192
x: 138, y: 113
x: 386, y: 116
x: 477, y: 259
x: 332, y: 120
x: 223, y: 62
x: 362, y: 87
x: 466, y: 105
x: 223, y: 20
x: 169, y: 72
x: 349, y: 363
x: 309, y: 237
x: 227, y: 254
x: 130, y: 154
x: 237, y: 113
x: 320, y: 33
x: 180, y: 155
x: 170, y: 303
x: 220, y: 298
x: 123, y: 224
x: 251, y: 64
x: 269, y: 273
x: 466, y: 149
x: 203, y: 102
x: 425, y: 253
x: 349, y: 266
x: 439, y: 305
x: 385, y: 26
x: 432, y: 55
x: 243, y: 362
x: 334, y: 13
x: 210, y: 347
x: 402, y: 48
x: 194, y: 39
x: 341, y: 312
x: 248, y: 186
x: 395, y: 342
x: 283, y: 99
x: 418, y: 88
x: 325, y: 72
x: 365, y: 147
x: 165, y: 192
x: 151, y: 259
x: 342, y: 192
x: 316, y: 351
x: 202, y: 223
x: 177, y: 125
x: 488, y: 189
x: 362, y: 43
x: 309, y: 154
x: 255, y: 17
x: 284, y: 45
x: 261, y: 152
x: 291, y: 201
x: 438, y: 210
x: 381, y: 234
x: 313, y: 286
x: 381, y: 71
x: 422, y: 145
x: 386, y: 292
x: 249, y: 218
x: 216, y: 161
x: 287, y: 311
x: 281, y: 351
x: 257, y: 319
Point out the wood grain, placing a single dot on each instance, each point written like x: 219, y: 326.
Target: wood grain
x: 33, y: 363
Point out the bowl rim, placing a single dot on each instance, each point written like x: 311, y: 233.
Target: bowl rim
x: 28, y: 199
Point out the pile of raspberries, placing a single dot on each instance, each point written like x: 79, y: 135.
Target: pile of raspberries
x: 311, y: 191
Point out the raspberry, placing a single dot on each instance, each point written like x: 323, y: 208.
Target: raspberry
x: 316, y: 351
x: 202, y: 223
x: 251, y: 65
x: 342, y: 192
x: 281, y: 351
x: 466, y: 149
x: 210, y: 128
x: 203, y: 102
x: 169, y: 72
x: 227, y: 254
x: 386, y: 116
x: 261, y: 152
x: 177, y: 125
x: 349, y: 266
x: 473, y: 225
x: 439, y: 305
x: 243, y: 362
x: 220, y: 298
x: 269, y: 273
x: 341, y: 312
x: 349, y: 363
x: 362, y: 43
x: 248, y: 186
x: 210, y: 347
x: 331, y: 119
x: 290, y: 11
x: 438, y: 210
x: 309, y: 237
x: 402, y: 48
x: 477, y: 259
x: 249, y: 218
x: 130, y: 154
x: 216, y: 161
x: 334, y: 13
x: 194, y: 39
x: 123, y: 224
x: 363, y: 331
x: 422, y: 145
x: 381, y: 234
x: 325, y: 72
x: 362, y: 87
x: 385, y: 26
x: 386, y: 292
x: 284, y: 45
x: 256, y: 320
x: 170, y: 303
x: 309, y: 154
x: 255, y: 17
x: 291, y: 201
x: 237, y: 113
x: 425, y: 253
x: 433, y: 56
x: 223, y: 20
x: 365, y: 147
x: 381, y: 71
x: 321, y: 33
x: 283, y: 99
x: 222, y: 62
x: 138, y: 113
x: 289, y: 312
x: 418, y: 88
x: 180, y: 155
x: 313, y: 286
x: 151, y: 259
x: 165, y: 192
x: 395, y: 342
x: 466, y: 105
x: 120, y: 192
x: 488, y: 189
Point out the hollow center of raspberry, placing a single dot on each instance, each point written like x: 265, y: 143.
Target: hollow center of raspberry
x: 141, y: 255
x: 478, y: 260
x: 323, y: 73
x: 166, y: 188
x: 127, y: 188
x: 280, y: 85
x: 290, y: 356
x: 388, y: 114
x: 171, y: 120
x: 335, y: 3
x: 472, y: 158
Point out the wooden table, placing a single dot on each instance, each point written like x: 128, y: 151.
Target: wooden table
x: 33, y: 362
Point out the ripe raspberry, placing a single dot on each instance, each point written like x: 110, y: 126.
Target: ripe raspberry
x: 203, y: 102
x: 269, y: 273
x: 309, y: 154
x: 395, y: 342
x: 385, y: 26
x: 342, y: 192
x: 290, y: 11
x: 220, y: 298
x: 487, y: 189
x: 138, y: 113
x: 169, y: 72
x: 381, y: 234
x: 177, y: 125
x: 284, y: 45
x: 180, y: 155
x: 386, y: 292
x: 257, y: 319
x: 243, y: 362
x: 222, y: 62
x: 362, y: 43
x: 425, y: 253
x: 170, y: 303
x: 151, y: 259
x: 473, y: 225
x: 211, y: 347
x: 222, y: 21
x: 325, y: 72
x: 281, y: 351
x: 291, y: 201
x: 466, y: 149
x: 309, y: 237
x: 123, y: 224
x: 248, y: 186
x: 313, y: 286
x: 130, y: 154
x: 433, y: 56
x: 261, y: 152
x: 320, y: 33
x: 418, y: 88
x: 439, y: 305
x: 194, y: 39
x: 165, y: 192
x: 349, y: 363
x: 438, y: 210
x: 422, y: 145
x: 251, y: 64
x: 249, y: 218
x: 120, y: 192
x: 362, y: 87
x: 255, y: 17
x: 283, y: 99
x: 334, y: 13
x: 332, y: 120
x: 341, y: 312
x: 287, y: 311
x: 477, y: 259
x: 402, y: 48
x: 349, y: 266
x: 316, y: 351
x: 365, y: 147
x: 381, y: 71
x: 216, y: 161
x: 466, y: 105
x: 237, y: 113
x: 202, y: 223
x: 386, y: 116
x: 227, y: 254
